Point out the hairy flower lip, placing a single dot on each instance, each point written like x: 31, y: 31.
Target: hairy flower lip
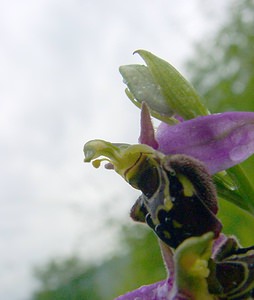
x: 219, y: 140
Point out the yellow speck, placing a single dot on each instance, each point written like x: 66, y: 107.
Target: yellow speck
x: 167, y: 234
x: 176, y: 224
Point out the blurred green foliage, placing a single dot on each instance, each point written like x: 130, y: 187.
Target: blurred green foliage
x: 66, y: 279
x: 73, y: 279
x: 222, y: 71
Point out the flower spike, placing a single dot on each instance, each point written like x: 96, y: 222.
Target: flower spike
x: 172, y: 167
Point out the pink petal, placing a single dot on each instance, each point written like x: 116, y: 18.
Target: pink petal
x: 220, y: 140
x: 156, y: 291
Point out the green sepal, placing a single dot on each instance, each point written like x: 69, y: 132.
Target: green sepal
x: 143, y: 87
x: 157, y: 115
x: 165, y: 90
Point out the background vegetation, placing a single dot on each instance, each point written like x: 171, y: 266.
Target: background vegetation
x: 222, y: 71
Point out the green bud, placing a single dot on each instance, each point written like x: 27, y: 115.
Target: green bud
x: 163, y: 88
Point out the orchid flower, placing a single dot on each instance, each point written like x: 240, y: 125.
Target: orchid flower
x: 171, y: 97
x: 172, y: 167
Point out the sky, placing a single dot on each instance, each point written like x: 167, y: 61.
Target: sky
x: 60, y: 87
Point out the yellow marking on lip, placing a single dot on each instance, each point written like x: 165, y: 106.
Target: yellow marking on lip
x: 188, y: 188
x: 176, y: 224
x: 168, y: 204
x: 166, y: 234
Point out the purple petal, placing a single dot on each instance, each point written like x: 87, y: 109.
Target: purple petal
x: 220, y: 140
x: 147, y: 135
x: 156, y: 291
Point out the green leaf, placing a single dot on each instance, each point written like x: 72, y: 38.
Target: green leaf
x: 244, y: 187
x: 239, y: 190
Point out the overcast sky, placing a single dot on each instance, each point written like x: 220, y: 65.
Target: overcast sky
x: 60, y: 87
